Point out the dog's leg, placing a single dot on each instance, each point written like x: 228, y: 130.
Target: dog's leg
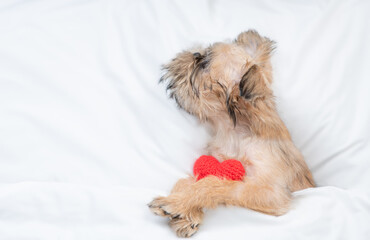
x: 185, y: 203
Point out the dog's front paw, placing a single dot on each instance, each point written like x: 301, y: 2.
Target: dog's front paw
x: 187, y: 226
x: 161, y: 207
x: 183, y: 219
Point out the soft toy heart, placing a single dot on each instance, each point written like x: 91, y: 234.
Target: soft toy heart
x: 229, y: 169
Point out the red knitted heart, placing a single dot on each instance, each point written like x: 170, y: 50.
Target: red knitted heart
x: 229, y: 169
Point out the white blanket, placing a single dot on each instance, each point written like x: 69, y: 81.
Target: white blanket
x: 88, y: 137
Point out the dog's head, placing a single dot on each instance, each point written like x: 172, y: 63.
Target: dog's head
x: 216, y: 81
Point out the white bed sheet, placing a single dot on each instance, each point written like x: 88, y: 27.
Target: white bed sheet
x: 88, y: 137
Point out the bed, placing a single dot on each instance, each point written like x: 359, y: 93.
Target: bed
x: 88, y: 137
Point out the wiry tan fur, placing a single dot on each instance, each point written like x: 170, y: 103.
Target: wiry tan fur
x: 227, y: 86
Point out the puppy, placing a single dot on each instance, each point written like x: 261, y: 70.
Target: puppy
x: 228, y: 86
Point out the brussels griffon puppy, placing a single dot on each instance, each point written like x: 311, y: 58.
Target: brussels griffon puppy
x: 228, y: 86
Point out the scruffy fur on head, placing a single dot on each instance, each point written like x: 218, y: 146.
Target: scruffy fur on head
x: 228, y: 86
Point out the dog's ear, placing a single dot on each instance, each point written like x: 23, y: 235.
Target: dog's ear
x: 252, y: 85
x: 258, y: 47
x: 255, y: 83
